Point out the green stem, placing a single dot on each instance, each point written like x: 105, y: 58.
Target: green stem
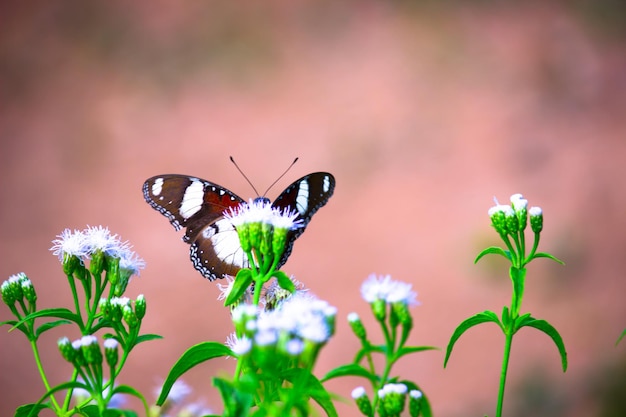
x: 505, y: 366
x: 33, y: 344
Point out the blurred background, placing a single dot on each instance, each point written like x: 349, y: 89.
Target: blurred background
x: 423, y: 111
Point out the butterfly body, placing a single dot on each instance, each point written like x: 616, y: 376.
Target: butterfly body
x: 198, y: 206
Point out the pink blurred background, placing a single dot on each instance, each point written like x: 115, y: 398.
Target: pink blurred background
x: 423, y: 114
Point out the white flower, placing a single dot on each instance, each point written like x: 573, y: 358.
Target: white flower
x: 100, y: 238
x: 535, y: 211
x: 225, y: 289
x: 518, y: 202
x: 358, y: 392
x: 110, y: 343
x: 294, y: 347
x: 70, y: 243
x: 416, y: 394
x: 261, y: 211
x: 384, y: 288
x: 239, y: 345
x: 285, y: 219
x: 130, y: 261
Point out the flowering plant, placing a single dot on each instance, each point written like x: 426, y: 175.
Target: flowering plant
x: 102, y: 307
x: 280, y: 329
x: 510, y: 223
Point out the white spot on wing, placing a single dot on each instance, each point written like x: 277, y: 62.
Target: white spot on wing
x: 226, y: 243
x: 157, y: 187
x: 192, y: 200
x: 326, y: 183
x: 302, y: 199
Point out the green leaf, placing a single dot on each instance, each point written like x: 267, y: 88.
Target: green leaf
x: 405, y: 350
x: 547, y: 255
x: 51, y: 325
x: 242, y: 282
x: 309, y: 385
x: 351, y: 369
x: 237, y: 403
x: 14, y: 325
x: 547, y: 328
x: 125, y: 389
x: 496, y: 250
x: 195, y: 355
x: 619, y: 339
x: 147, y: 337
x: 59, y: 313
x: 284, y: 282
x: 30, y: 409
x: 112, y: 412
x: 485, y: 316
x: 60, y: 387
x: 91, y: 411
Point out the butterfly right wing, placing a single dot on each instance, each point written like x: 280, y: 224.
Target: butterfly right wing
x: 198, y: 205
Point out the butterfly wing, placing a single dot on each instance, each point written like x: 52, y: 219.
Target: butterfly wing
x: 305, y: 196
x: 198, y: 205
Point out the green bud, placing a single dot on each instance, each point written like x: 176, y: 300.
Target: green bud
x: 362, y: 401
x: 91, y: 350
x: 29, y: 293
x: 129, y: 316
x: 110, y: 352
x: 536, y: 219
x: 401, y: 311
x: 357, y: 326
x: 512, y: 222
x: 70, y: 263
x: 255, y: 234
x: 8, y: 293
x: 415, y: 403
x: 279, y: 241
x: 393, y: 402
x: 96, y: 266
x: 243, y: 231
x: 140, y: 306
x: 66, y: 349
x: 113, y: 269
x: 498, y: 219
x: 379, y: 308
x: 266, y: 239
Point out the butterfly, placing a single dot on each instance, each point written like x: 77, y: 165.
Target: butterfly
x: 198, y: 205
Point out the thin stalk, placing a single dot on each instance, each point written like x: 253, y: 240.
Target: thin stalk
x: 503, y: 372
x: 33, y: 345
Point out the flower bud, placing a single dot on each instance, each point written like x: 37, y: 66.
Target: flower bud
x: 140, y: 306
x: 362, y: 401
x: 520, y: 204
x: 379, y: 308
x: 113, y: 270
x: 91, y: 350
x: 67, y: 350
x: 110, y: 352
x: 357, y: 326
x: 392, y: 399
x: 129, y: 316
x: 415, y: 403
x: 29, y: 293
x: 96, y: 265
x: 536, y: 219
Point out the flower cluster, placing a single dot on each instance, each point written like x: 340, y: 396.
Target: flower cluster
x: 262, y: 229
x: 294, y: 331
x: 511, y: 219
x: 382, y: 291
x: 104, y: 250
x: 392, y: 400
x: 263, y: 233
x: 16, y: 289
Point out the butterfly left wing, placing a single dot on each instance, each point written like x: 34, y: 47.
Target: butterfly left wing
x: 305, y: 196
x: 198, y: 205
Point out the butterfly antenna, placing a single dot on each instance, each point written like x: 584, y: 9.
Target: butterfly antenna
x: 281, y: 175
x: 244, y: 175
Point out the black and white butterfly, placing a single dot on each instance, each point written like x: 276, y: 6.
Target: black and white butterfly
x: 198, y: 205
